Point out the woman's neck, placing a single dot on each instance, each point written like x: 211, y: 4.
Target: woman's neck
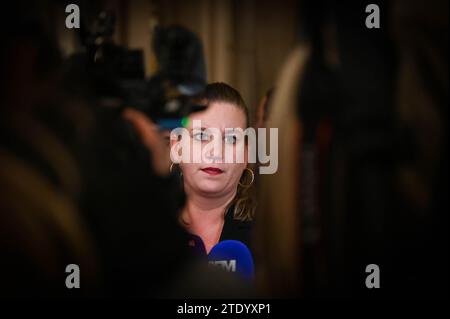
x: 204, y: 217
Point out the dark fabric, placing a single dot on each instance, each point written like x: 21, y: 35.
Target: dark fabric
x: 237, y: 230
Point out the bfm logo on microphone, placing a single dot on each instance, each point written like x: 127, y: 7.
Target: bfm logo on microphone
x: 228, y: 265
x: 234, y: 257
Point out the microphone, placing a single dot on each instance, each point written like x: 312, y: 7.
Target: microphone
x: 233, y: 256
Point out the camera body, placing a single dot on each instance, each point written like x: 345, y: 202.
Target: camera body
x: 118, y: 75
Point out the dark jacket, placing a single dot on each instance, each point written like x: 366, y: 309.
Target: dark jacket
x: 237, y: 230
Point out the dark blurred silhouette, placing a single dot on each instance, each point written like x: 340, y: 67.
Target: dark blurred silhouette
x: 42, y: 228
x: 362, y: 118
x: 77, y: 184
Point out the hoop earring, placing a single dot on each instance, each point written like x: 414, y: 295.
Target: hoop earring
x: 251, y: 182
x: 171, y: 169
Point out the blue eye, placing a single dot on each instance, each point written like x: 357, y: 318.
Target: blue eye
x: 230, y: 139
x: 201, y: 136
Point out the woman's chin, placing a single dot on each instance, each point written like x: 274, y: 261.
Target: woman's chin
x: 211, y: 187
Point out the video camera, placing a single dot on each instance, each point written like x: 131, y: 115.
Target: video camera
x: 118, y: 73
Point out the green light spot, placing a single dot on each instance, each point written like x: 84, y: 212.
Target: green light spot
x: 185, y: 121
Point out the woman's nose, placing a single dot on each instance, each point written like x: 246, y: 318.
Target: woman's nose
x: 215, y: 153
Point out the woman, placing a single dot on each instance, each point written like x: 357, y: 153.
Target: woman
x: 218, y: 205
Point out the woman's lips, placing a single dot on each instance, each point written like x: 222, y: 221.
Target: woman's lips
x: 212, y: 170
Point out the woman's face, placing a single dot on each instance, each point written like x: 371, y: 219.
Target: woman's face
x: 214, y: 174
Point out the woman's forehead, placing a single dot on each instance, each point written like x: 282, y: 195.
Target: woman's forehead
x: 220, y: 115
